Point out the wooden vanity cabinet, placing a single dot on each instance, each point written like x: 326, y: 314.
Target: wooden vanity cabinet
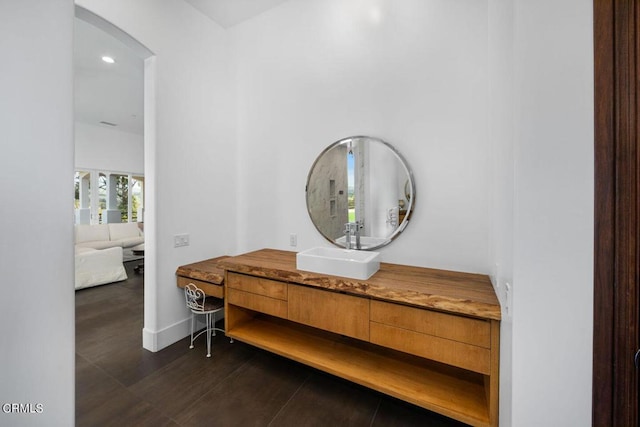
x: 444, y: 361
x: 330, y: 311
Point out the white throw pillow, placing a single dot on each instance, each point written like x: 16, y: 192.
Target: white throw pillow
x: 119, y: 231
x: 91, y: 233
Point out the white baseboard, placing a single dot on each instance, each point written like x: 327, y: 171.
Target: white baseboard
x: 156, y: 341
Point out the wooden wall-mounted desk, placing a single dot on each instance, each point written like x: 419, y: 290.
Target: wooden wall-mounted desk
x: 206, y: 275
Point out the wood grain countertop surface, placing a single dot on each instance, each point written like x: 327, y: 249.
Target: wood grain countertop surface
x: 208, y: 271
x: 449, y: 291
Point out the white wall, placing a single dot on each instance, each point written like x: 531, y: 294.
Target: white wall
x: 190, y: 173
x: 100, y: 148
x: 501, y: 134
x: 413, y: 73
x: 491, y: 102
x: 553, y: 213
x: 36, y: 248
x: 422, y: 78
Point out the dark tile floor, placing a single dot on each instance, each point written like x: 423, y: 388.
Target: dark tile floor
x: 119, y: 383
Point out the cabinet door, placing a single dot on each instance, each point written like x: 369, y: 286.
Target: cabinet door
x: 257, y: 285
x: 342, y: 314
x: 257, y: 294
x: 448, y: 338
x: 450, y: 326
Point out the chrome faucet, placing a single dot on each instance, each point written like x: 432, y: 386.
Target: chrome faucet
x: 352, y: 229
x: 347, y: 235
x: 357, y: 226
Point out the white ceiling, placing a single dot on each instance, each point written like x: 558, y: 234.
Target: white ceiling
x: 111, y: 93
x: 228, y: 13
x: 114, y: 93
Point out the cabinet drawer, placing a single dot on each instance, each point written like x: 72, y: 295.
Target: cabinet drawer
x: 208, y: 288
x: 450, y: 326
x: 272, y: 306
x: 338, y: 313
x: 453, y: 353
x: 257, y: 285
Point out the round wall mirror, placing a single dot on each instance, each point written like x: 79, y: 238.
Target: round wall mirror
x: 360, y: 193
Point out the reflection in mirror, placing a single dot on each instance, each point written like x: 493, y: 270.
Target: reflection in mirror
x: 360, y: 193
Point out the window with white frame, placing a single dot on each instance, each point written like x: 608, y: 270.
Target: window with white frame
x: 107, y: 196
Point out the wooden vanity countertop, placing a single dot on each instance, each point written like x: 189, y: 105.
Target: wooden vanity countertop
x: 207, y: 271
x: 450, y: 291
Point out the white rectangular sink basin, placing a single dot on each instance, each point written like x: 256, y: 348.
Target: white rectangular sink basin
x: 339, y: 262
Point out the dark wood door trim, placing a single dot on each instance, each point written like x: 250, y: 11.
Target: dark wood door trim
x: 603, y: 216
x: 616, y: 265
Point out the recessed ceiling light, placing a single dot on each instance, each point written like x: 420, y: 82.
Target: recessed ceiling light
x: 108, y: 59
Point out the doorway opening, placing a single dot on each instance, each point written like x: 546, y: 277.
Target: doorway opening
x: 115, y: 137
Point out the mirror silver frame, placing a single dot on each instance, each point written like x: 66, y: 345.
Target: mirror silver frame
x: 409, y: 189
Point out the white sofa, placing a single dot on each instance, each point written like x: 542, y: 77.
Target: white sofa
x: 103, y: 236
x: 98, y: 266
x: 99, y: 251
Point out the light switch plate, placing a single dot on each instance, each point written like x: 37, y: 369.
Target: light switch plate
x: 180, y: 240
